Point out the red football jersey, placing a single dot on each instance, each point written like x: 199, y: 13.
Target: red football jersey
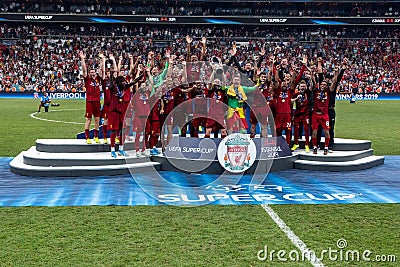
x: 283, y: 104
x: 116, y: 103
x: 180, y: 97
x: 106, y: 91
x: 156, y: 107
x: 217, y: 102
x: 199, y: 100
x: 259, y: 101
x: 321, y: 101
x: 168, y: 98
x: 301, y: 104
x: 141, y: 104
x: 92, y: 88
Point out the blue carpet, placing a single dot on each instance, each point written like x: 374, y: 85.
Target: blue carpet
x: 377, y: 185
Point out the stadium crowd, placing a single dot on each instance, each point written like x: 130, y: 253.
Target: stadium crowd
x: 35, y: 58
x: 203, y: 8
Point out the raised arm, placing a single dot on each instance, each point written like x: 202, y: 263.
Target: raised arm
x: 188, y: 41
x: 102, y: 65
x: 257, y: 64
x: 298, y: 77
x: 112, y: 58
x: 120, y: 63
x: 132, y: 66
x: 164, y: 73
x: 339, y: 75
x: 83, y: 63
x: 171, y: 62
x: 320, y: 70
x: 150, y: 60
x: 203, y: 49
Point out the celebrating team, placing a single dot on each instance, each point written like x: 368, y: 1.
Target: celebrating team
x: 209, y: 95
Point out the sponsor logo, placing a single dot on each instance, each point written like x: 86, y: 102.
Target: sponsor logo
x: 67, y: 95
x: 37, y: 17
x: 162, y: 19
x: 236, y: 153
x: 257, y: 198
x: 273, y: 20
x: 378, y: 21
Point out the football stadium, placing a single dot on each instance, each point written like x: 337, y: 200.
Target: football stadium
x: 199, y: 133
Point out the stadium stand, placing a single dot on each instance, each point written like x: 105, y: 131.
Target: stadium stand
x: 43, y: 56
x: 202, y: 8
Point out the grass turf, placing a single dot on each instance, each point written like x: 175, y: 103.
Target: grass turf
x: 200, y: 236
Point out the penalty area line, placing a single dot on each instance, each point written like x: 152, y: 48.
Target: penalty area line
x: 32, y: 115
x: 293, y: 237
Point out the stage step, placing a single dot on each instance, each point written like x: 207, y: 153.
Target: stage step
x: 335, y: 156
x: 73, y: 157
x: 344, y: 144
x: 37, y: 158
x: 337, y: 166
x: 75, y: 146
x: 18, y: 166
x: 213, y: 166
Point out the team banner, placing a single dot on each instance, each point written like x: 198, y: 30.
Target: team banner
x: 206, y: 148
x: 272, y: 147
x: 193, y: 148
x: 285, y: 187
x: 225, y: 20
x: 368, y: 96
x: 61, y: 95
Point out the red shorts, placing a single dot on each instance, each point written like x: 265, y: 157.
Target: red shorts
x: 93, y: 109
x: 115, y: 120
x: 154, y: 127
x: 216, y: 124
x: 262, y: 115
x: 139, y: 124
x: 320, y: 119
x: 303, y: 118
x: 166, y: 119
x: 283, y: 121
x: 105, y: 111
x: 147, y: 128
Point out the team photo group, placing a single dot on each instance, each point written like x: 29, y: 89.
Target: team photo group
x: 153, y: 94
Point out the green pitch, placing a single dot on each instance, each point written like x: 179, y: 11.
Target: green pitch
x: 377, y: 121
x: 201, y: 236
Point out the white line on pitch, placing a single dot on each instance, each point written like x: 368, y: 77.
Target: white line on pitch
x: 292, y: 236
x: 69, y: 122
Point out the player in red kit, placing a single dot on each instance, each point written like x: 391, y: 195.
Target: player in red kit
x: 92, y: 82
x: 168, y: 104
x: 283, y: 109
x: 181, y: 106
x: 321, y: 105
x: 259, y: 108
x: 199, y: 106
x: 141, y: 107
x: 217, y: 109
x: 106, y: 104
x: 156, y: 106
x: 301, y: 115
x: 284, y: 94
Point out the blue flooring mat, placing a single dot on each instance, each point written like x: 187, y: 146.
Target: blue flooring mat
x: 377, y: 185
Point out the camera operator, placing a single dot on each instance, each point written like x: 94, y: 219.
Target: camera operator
x: 44, y: 102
